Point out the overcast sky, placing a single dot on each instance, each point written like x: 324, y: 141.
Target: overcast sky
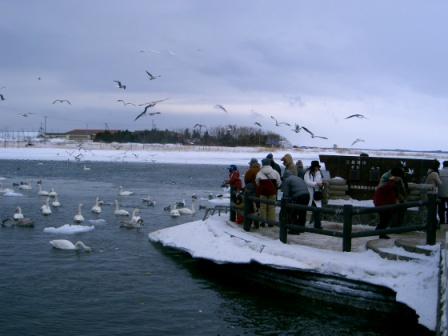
x: 307, y: 62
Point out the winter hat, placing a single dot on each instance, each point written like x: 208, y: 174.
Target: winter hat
x: 266, y: 162
x: 252, y: 162
x: 269, y: 156
x: 232, y: 168
x: 314, y: 164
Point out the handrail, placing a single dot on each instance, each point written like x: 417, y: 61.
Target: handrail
x: 348, y: 211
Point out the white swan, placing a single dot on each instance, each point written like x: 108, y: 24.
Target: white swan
x: 18, y: 214
x: 174, y: 213
x: 124, y: 192
x: 79, y: 218
x: 55, y: 203
x: 86, y: 168
x: 188, y: 211
x: 135, y: 218
x: 135, y: 222
x: 97, y: 208
x: 52, y: 193
x: 25, y: 186
x: 45, y: 208
x: 42, y: 192
x: 120, y: 212
x: 63, y: 244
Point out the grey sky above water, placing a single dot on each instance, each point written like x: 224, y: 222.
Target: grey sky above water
x: 311, y: 63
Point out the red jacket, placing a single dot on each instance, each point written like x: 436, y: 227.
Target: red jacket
x: 387, y: 193
x: 235, y: 180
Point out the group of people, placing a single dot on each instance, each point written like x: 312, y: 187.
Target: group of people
x: 304, y: 187
x: 392, y: 189
x: 298, y: 186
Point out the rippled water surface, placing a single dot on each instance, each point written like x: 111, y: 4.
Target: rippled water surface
x: 127, y: 285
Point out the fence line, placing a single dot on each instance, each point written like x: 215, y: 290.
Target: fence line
x: 348, y: 211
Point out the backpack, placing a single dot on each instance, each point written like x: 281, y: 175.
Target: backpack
x: 267, y: 187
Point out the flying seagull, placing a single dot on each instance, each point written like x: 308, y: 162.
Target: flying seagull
x: 125, y: 103
x: 257, y: 123
x: 218, y: 106
x: 356, y: 141
x: 151, y: 77
x: 320, y: 137
x: 200, y: 126
x: 120, y: 85
x: 2, y: 97
x: 145, y: 112
x: 308, y: 131
x: 277, y: 123
x: 297, y: 128
x: 357, y: 115
x: 153, y: 103
x: 61, y: 101
x: 25, y: 114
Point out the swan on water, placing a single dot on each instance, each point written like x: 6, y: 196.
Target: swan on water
x: 23, y: 222
x: 135, y: 217
x: 135, y: 222
x: 52, y: 193
x: 63, y: 244
x: 45, y: 208
x: 86, y: 168
x: 55, y: 203
x: 189, y: 211
x: 79, y: 218
x: 96, y: 208
x: 174, y: 213
x: 18, y: 214
x: 120, y: 212
x: 124, y: 192
x: 42, y: 192
x: 25, y: 186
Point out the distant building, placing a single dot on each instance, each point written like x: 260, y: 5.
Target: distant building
x: 85, y: 134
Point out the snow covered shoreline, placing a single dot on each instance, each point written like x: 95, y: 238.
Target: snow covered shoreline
x: 217, y: 240
x: 166, y: 153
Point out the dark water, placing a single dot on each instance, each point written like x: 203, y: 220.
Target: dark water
x: 127, y: 285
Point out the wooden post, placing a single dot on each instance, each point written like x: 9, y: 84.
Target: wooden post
x: 232, y: 205
x: 431, y: 220
x: 247, y: 221
x: 282, y: 219
x: 347, y: 228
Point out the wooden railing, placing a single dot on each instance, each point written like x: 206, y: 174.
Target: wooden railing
x: 347, y: 211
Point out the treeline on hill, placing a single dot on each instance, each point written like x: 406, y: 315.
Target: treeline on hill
x: 220, y: 136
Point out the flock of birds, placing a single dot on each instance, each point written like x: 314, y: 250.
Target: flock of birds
x: 50, y: 202
x: 147, y: 111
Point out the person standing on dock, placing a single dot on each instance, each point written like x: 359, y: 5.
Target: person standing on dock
x: 295, y: 191
x: 388, y: 193
x: 288, y: 162
x: 274, y: 164
x: 433, y: 178
x: 235, y: 184
x: 268, y: 181
x: 314, y: 180
x: 300, y: 169
x: 250, y: 186
x: 443, y: 194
